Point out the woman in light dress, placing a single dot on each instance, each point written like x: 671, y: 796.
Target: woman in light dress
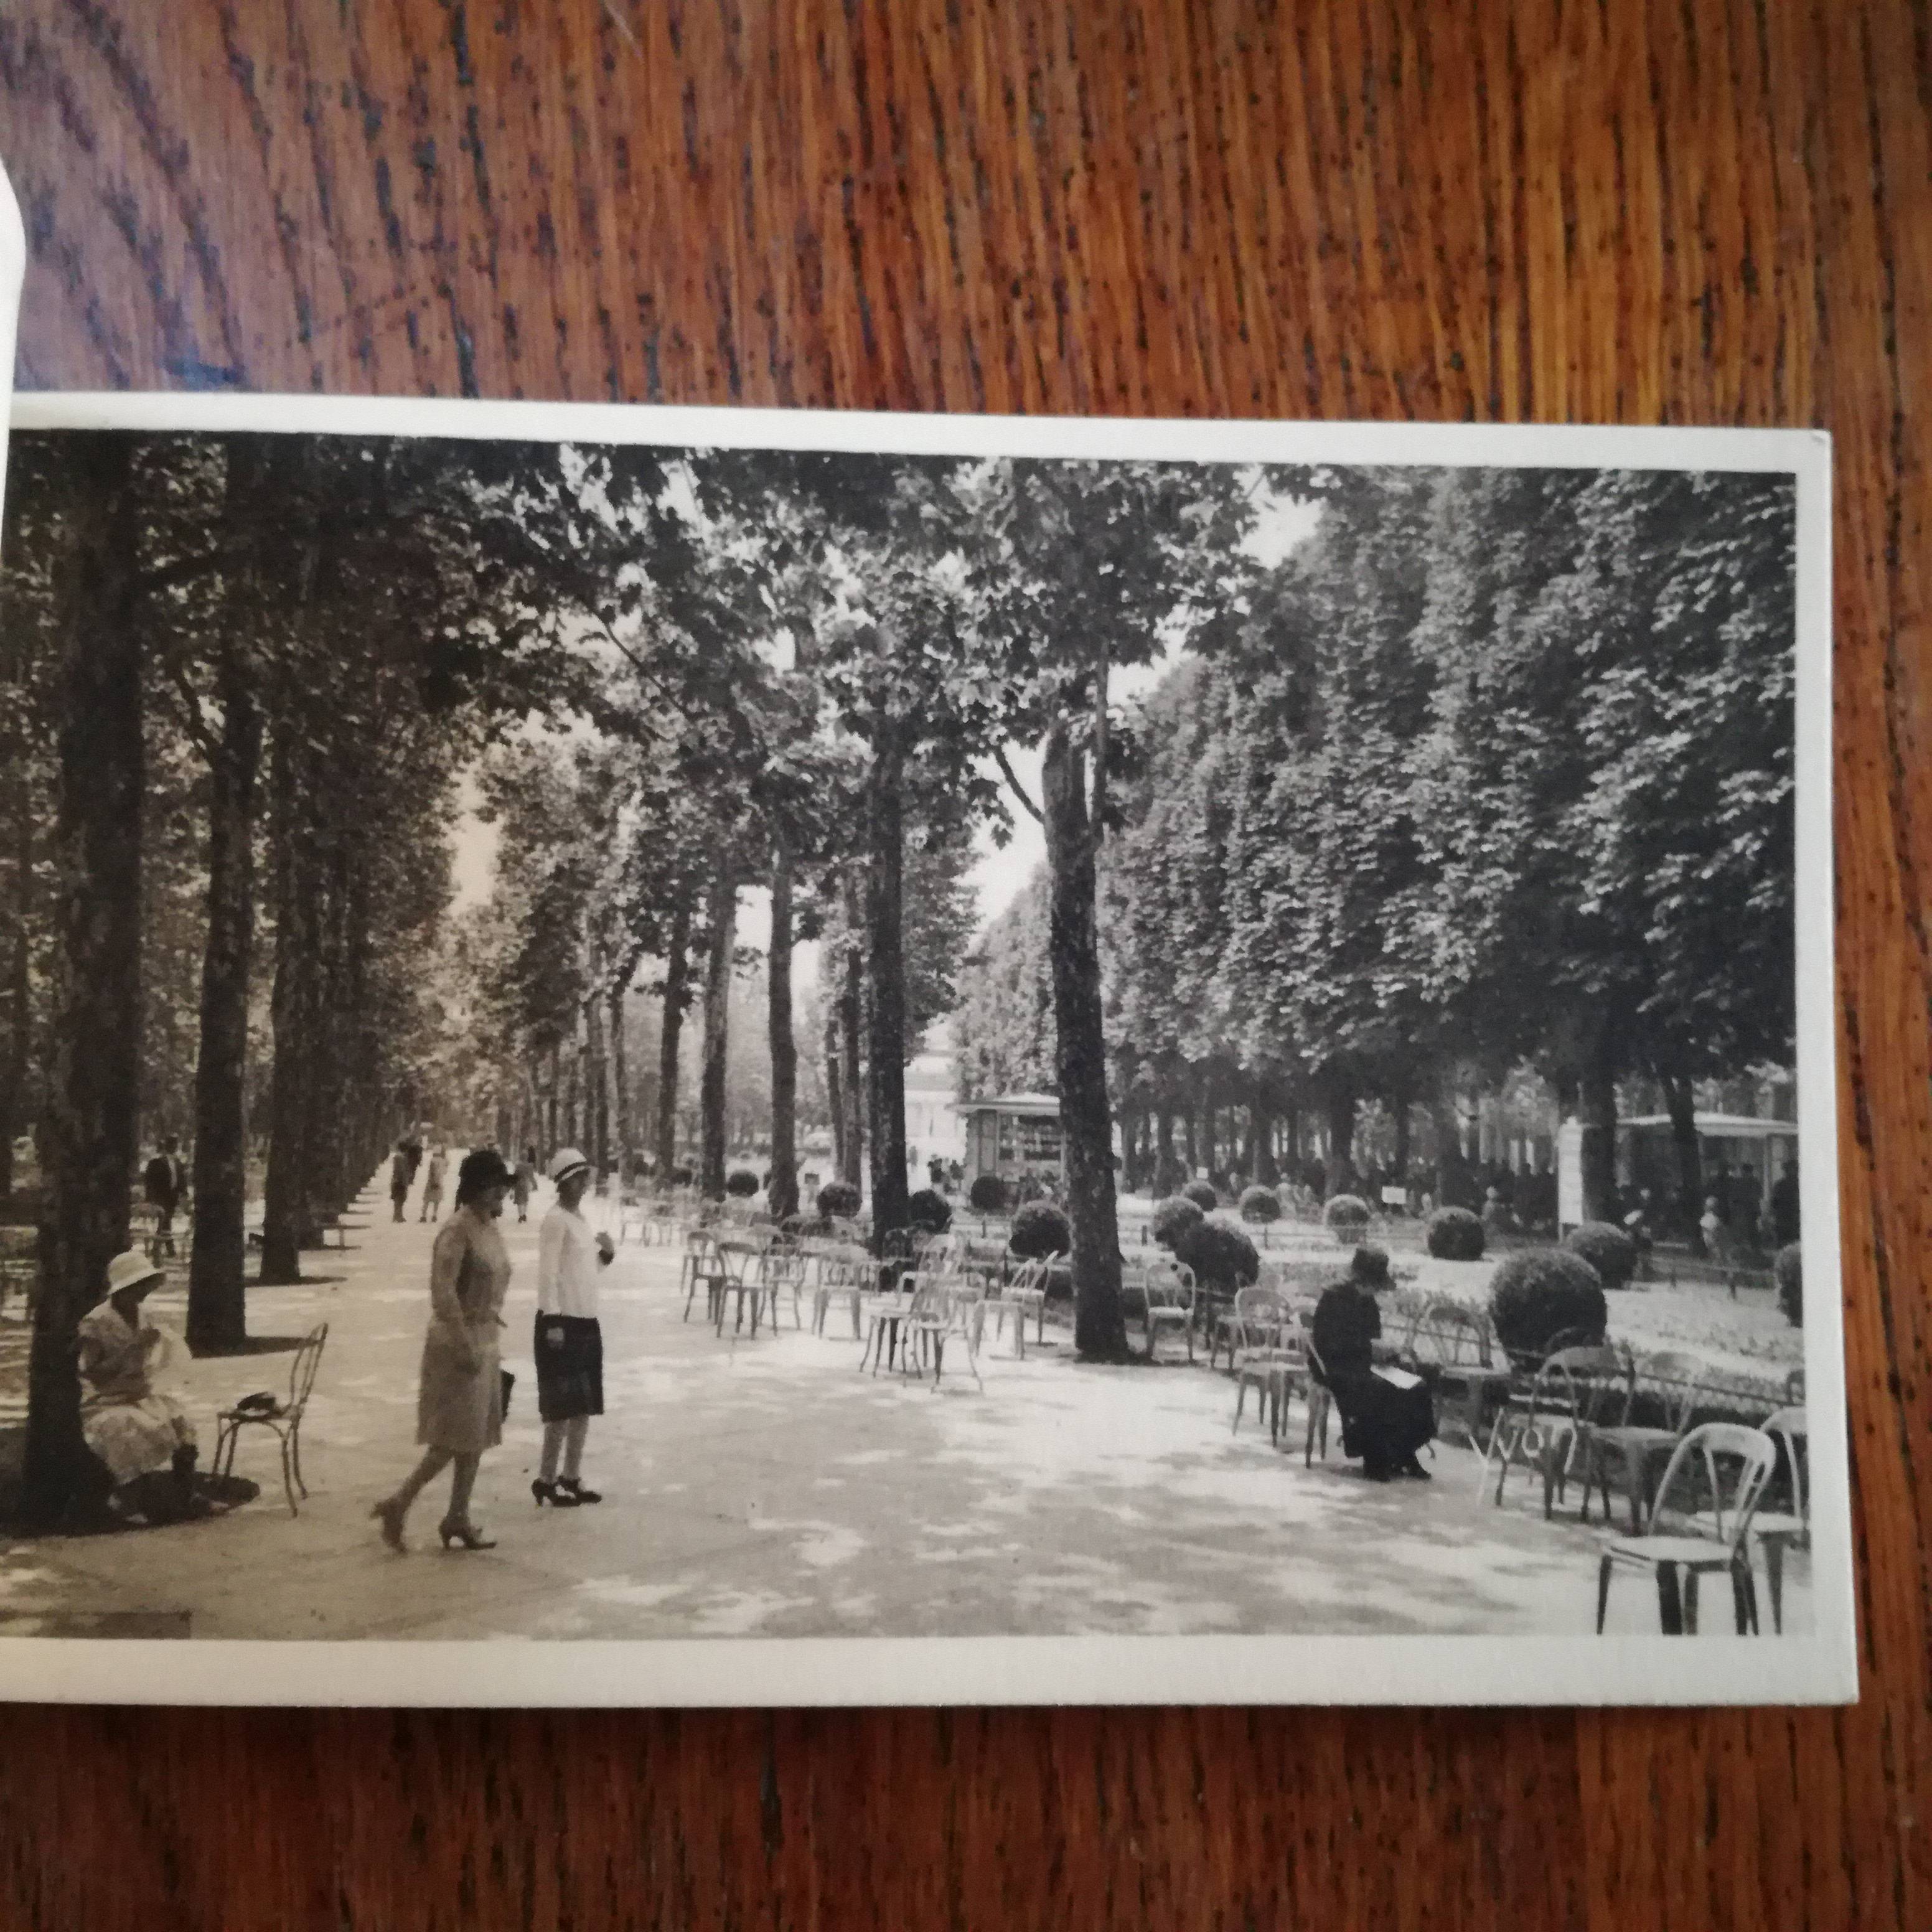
x: 569, y: 1344
x: 438, y: 1167
x: 142, y: 1437
x: 460, y: 1400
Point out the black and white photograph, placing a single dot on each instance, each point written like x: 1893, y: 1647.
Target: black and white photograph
x: 804, y: 1059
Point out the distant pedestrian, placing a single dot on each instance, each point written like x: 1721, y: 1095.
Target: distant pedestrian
x: 412, y: 1146
x: 432, y: 1201
x: 1784, y: 1220
x: 460, y: 1397
x: 164, y: 1181
x: 400, y: 1172
x: 568, y: 1344
x: 523, y: 1185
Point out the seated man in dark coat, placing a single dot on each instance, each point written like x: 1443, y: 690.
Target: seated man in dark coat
x: 1382, y: 1422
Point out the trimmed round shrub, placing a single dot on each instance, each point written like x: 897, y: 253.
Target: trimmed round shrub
x: 1261, y: 1205
x: 1789, y: 1269
x: 838, y: 1200
x: 1202, y: 1193
x: 988, y: 1194
x: 741, y: 1181
x: 1223, y: 1258
x: 1172, y: 1218
x: 929, y: 1209
x: 1455, y: 1235
x: 1538, y: 1294
x: 1039, y: 1229
x: 1607, y: 1248
x: 1346, y: 1217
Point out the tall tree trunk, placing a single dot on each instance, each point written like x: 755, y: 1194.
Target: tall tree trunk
x: 1680, y: 1097
x: 724, y: 927
x: 287, y: 1217
x: 1099, y: 1320
x: 553, y: 1102
x: 620, y: 1081
x: 835, y: 1093
x: 20, y: 984
x: 597, y: 1109
x: 885, y: 938
x: 89, y: 1134
x: 217, y: 1316
x: 1339, y: 1100
x: 781, y: 1196
x: 677, y: 981
x: 851, y: 1016
x: 1263, y: 1165
x: 1599, y: 1099
x: 1401, y: 1138
x: 330, y: 1053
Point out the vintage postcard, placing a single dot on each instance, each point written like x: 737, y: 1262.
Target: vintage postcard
x: 660, y: 1056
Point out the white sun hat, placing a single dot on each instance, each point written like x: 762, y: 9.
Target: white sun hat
x: 129, y: 1270
x: 564, y: 1162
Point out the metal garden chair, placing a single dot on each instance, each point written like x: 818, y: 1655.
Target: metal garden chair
x: 284, y: 1418
x: 1711, y: 1536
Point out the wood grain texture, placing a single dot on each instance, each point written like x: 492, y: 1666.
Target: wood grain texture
x: 1692, y: 212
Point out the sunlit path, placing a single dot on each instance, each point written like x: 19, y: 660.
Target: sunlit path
x: 771, y: 1488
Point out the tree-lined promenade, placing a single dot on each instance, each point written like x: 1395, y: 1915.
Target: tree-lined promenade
x: 1492, y: 769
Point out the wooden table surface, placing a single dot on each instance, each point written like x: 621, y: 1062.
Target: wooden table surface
x: 1690, y: 212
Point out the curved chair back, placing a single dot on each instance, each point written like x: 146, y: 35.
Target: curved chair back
x: 1732, y: 1494
x: 1450, y: 1333
x: 1587, y: 1381
x: 1786, y: 1428
x: 1680, y: 1380
x: 302, y: 1369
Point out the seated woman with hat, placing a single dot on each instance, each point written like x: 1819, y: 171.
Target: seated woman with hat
x: 1384, y: 1421
x: 141, y: 1437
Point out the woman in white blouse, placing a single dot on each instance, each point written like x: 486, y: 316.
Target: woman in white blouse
x: 569, y: 1344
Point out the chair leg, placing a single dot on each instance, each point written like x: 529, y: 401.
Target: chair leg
x: 1604, y: 1570
x: 1774, y: 1578
x: 1670, y: 1600
x: 288, y: 1479
x: 1740, y: 1608
x: 294, y: 1455
x: 1690, y: 1581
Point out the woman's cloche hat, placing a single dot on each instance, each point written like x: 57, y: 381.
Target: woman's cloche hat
x: 565, y: 1161
x: 129, y: 1271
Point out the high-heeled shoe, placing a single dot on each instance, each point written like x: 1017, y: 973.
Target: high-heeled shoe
x: 390, y: 1516
x: 578, y: 1493
x: 555, y: 1494
x: 464, y: 1535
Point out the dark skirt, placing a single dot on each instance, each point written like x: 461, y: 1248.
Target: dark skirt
x: 1380, y: 1422
x: 569, y: 1350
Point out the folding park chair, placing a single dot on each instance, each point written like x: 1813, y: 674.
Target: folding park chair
x: 841, y: 1269
x: 943, y: 1308
x: 1633, y: 1449
x: 1255, y: 1320
x: 1450, y: 1345
x: 701, y: 1267
x: 1024, y: 1295
x: 1711, y: 1541
x: 782, y: 1266
x: 1577, y: 1389
x: 741, y: 1262
x: 1775, y: 1532
x: 1275, y: 1372
x: 1321, y: 1406
x: 268, y: 1412
x: 1167, y: 1290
